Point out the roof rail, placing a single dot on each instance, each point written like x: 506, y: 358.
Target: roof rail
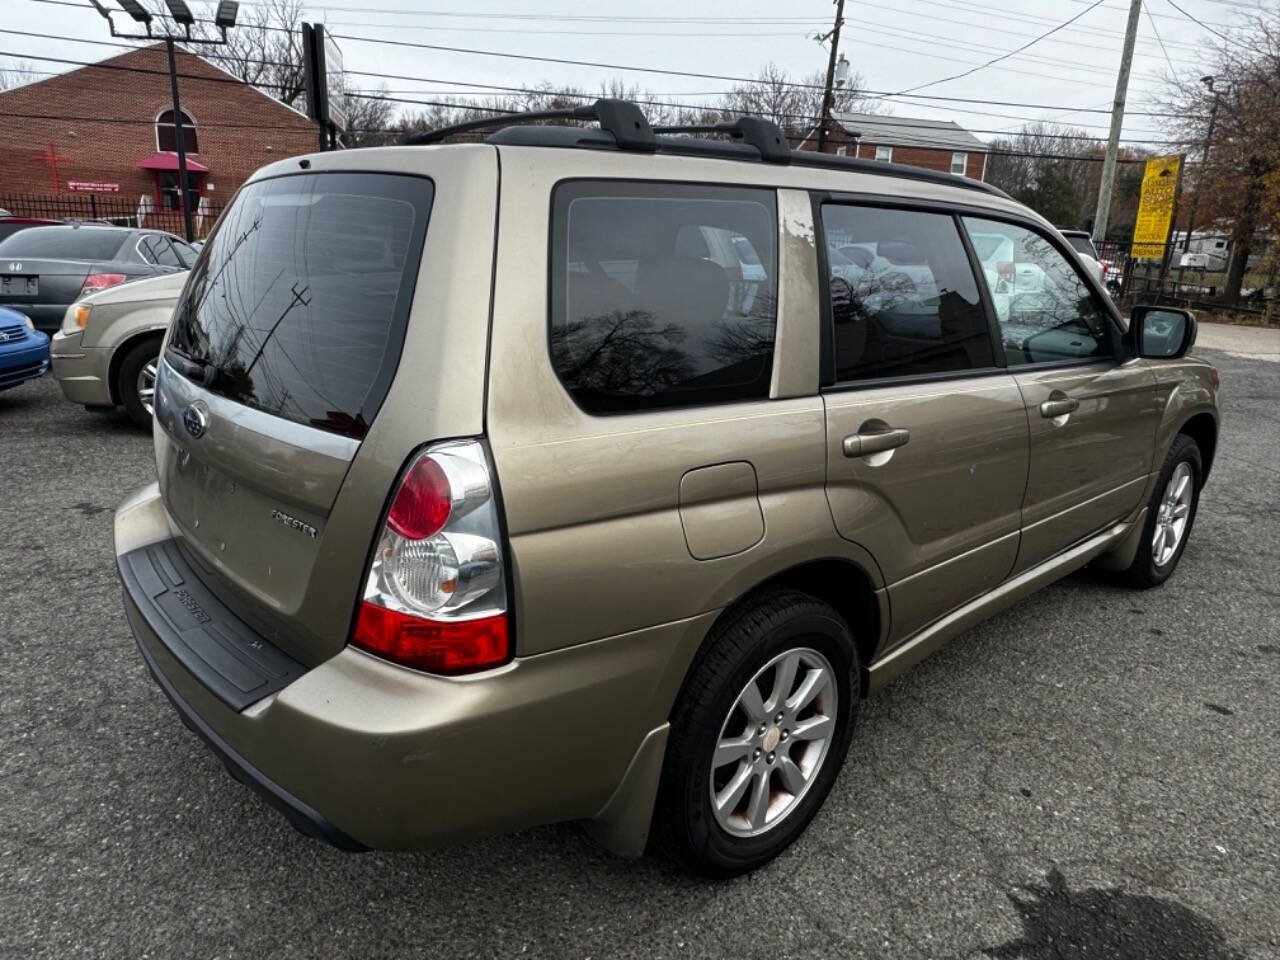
x: 761, y: 134
x: 623, y: 126
x: 621, y: 118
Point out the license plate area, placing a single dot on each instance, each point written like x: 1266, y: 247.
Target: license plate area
x: 20, y: 286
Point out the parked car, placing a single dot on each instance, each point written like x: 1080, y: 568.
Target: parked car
x: 9, y: 224
x: 481, y: 505
x: 1082, y: 243
x: 45, y: 269
x: 104, y: 356
x: 24, y: 351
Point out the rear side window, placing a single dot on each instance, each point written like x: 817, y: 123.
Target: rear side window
x: 64, y: 243
x: 299, y: 306
x: 904, y: 300
x: 1081, y: 244
x: 662, y: 295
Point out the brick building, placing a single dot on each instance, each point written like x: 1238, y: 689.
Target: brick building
x: 932, y: 144
x: 113, y: 136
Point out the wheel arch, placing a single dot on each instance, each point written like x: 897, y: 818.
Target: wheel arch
x: 121, y: 351
x: 843, y: 584
x: 1203, y: 429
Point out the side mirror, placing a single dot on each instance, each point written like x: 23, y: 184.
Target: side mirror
x: 1162, y: 333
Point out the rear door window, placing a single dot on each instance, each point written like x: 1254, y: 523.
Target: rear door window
x: 299, y: 306
x: 64, y: 243
x: 904, y: 300
x: 662, y: 295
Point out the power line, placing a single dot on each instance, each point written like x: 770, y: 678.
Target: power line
x: 1152, y: 21
x: 1005, y: 56
x: 1220, y: 36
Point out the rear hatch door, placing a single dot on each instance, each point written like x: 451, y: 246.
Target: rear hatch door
x: 283, y: 346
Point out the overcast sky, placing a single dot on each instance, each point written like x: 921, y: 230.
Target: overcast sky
x: 893, y: 44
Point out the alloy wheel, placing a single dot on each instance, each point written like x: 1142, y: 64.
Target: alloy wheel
x: 147, y: 386
x: 773, y: 742
x: 1172, y: 515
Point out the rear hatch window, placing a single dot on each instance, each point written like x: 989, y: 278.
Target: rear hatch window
x: 298, y: 304
x: 1082, y: 245
x: 64, y: 243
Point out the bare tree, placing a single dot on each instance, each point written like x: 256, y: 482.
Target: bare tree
x: 795, y: 105
x: 15, y: 73
x: 1240, y: 182
x: 264, y: 49
x: 369, y: 118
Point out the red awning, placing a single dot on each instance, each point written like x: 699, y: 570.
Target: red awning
x: 168, y: 160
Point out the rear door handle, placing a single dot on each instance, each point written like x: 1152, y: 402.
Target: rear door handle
x: 1058, y: 407
x: 862, y: 444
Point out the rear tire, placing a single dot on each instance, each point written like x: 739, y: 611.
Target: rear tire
x: 1171, y: 512
x: 800, y: 658
x: 136, y: 374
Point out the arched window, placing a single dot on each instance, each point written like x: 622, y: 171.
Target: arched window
x: 166, y: 133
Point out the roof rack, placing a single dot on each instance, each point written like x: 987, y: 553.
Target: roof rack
x: 753, y: 131
x: 622, y: 126
x: 621, y: 118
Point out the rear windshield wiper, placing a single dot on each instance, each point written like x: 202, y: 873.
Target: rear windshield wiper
x: 201, y: 371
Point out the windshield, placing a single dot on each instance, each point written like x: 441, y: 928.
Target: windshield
x: 64, y: 243
x: 298, y: 304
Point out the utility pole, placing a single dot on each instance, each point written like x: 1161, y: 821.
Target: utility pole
x: 179, y: 133
x: 827, y: 95
x: 1117, y: 121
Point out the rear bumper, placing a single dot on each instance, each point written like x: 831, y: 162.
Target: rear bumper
x: 82, y: 372
x: 362, y: 753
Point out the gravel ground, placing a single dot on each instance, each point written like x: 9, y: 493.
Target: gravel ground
x: 1093, y: 773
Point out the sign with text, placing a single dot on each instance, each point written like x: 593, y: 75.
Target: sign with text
x: 92, y: 186
x: 1155, y: 210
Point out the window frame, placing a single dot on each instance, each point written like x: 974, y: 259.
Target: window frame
x: 957, y: 211
x: 964, y: 164
x: 657, y: 189
x: 189, y: 122
x: 888, y: 153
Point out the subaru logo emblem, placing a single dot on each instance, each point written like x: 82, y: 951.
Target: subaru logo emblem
x: 196, y: 418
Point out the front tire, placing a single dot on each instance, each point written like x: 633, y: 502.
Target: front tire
x: 758, y: 734
x: 136, y: 381
x: 1170, y: 515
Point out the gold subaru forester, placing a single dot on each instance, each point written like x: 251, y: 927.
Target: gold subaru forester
x: 592, y: 472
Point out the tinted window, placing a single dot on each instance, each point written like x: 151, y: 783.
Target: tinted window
x: 662, y: 296
x: 186, y: 254
x: 1081, y: 244
x: 299, y: 305
x: 1047, y: 311
x: 64, y: 243
x: 165, y: 255
x: 903, y: 296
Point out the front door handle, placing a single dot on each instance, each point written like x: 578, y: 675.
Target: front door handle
x: 862, y: 444
x: 1059, y: 406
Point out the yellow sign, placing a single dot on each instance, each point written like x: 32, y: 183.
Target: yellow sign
x: 1155, y: 211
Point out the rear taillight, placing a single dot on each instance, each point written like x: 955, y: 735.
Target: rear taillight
x: 436, y: 597
x: 100, y: 281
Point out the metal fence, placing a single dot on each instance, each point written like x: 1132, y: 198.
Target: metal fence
x: 118, y: 210
x: 1193, y: 275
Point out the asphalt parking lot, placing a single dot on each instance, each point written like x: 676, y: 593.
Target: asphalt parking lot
x: 1094, y: 773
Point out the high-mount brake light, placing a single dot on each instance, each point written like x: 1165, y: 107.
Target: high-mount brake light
x: 435, y: 596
